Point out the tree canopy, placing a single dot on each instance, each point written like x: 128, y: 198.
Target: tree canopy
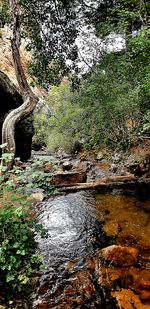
x: 113, y: 89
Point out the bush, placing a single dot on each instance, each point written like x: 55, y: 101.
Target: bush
x: 18, y: 261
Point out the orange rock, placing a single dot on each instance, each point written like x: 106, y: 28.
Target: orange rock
x: 68, y: 178
x: 119, y: 255
x: 111, y: 228
x: 107, y: 276
x: 141, y: 279
x: 70, y: 265
x: 126, y: 299
x: 131, y: 278
x: 144, y: 295
x: 91, y: 263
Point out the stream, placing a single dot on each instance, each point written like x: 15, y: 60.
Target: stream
x: 79, y: 225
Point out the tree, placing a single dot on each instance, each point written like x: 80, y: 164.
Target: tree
x: 115, y: 95
x: 120, y: 16
x: 30, y: 101
x: 50, y: 50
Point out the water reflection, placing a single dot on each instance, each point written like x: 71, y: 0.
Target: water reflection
x: 72, y: 226
x: 78, y: 225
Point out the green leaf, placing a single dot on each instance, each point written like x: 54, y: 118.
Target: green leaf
x: 10, y: 277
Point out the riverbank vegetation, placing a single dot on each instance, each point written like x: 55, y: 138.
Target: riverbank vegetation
x: 19, y: 260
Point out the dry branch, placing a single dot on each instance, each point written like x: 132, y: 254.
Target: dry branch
x: 105, y: 183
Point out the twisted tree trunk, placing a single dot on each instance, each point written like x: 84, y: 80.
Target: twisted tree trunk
x: 30, y: 100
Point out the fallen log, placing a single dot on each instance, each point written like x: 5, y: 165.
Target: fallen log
x: 106, y: 182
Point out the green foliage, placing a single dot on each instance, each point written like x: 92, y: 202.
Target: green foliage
x: 146, y: 126
x: 41, y: 121
x: 18, y: 261
x: 4, y: 13
x: 18, y: 225
x: 61, y: 128
x: 65, y: 119
x: 33, y: 177
x: 121, y: 16
x: 50, y: 27
x: 109, y: 107
x: 116, y: 96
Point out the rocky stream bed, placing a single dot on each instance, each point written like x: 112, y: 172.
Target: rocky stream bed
x: 97, y: 253
x: 97, y: 250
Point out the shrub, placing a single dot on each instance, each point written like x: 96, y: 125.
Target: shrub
x: 18, y: 261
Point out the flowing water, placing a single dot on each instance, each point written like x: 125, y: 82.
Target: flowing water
x: 79, y: 225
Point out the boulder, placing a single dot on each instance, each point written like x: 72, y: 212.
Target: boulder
x: 67, y: 165
x: 38, y: 145
x: 141, y: 168
x: 11, y: 99
x: 116, y: 157
x: 48, y: 168
x: 99, y: 156
x: 119, y: 255
x: 126, y: 299
x: 81, y: 286
x: 108, y: 276
x: 37, y: 197
x: 68, y: 178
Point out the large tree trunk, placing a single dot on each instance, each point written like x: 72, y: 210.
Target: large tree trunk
x: 30, y: 100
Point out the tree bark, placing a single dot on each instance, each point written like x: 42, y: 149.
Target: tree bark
x: 30, y: 100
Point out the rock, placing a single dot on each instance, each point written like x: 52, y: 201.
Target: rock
x: 99, y: 156
x: 83, y: 283
x: 108, y: 276
x: 141, y: 280
x: 68, y: 178
x: 48, y: 168
x: 79, y: 166
x: 91, y: 263
x: 126, y: 299
x: 116, y: 157
x: 67, y: 165
x: 141, y: 168
x: 82, y: 286
x: 38, y: 197
x: 125, y: 277
x: 38, y: 145
x: 144, y: 295
x: 111, y: 228
x: 113, y: 168
x: 61, y: 154
x: 70, y: 266
x: 123, y: 172
x: 44, y: 287
x: 119, y: 255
